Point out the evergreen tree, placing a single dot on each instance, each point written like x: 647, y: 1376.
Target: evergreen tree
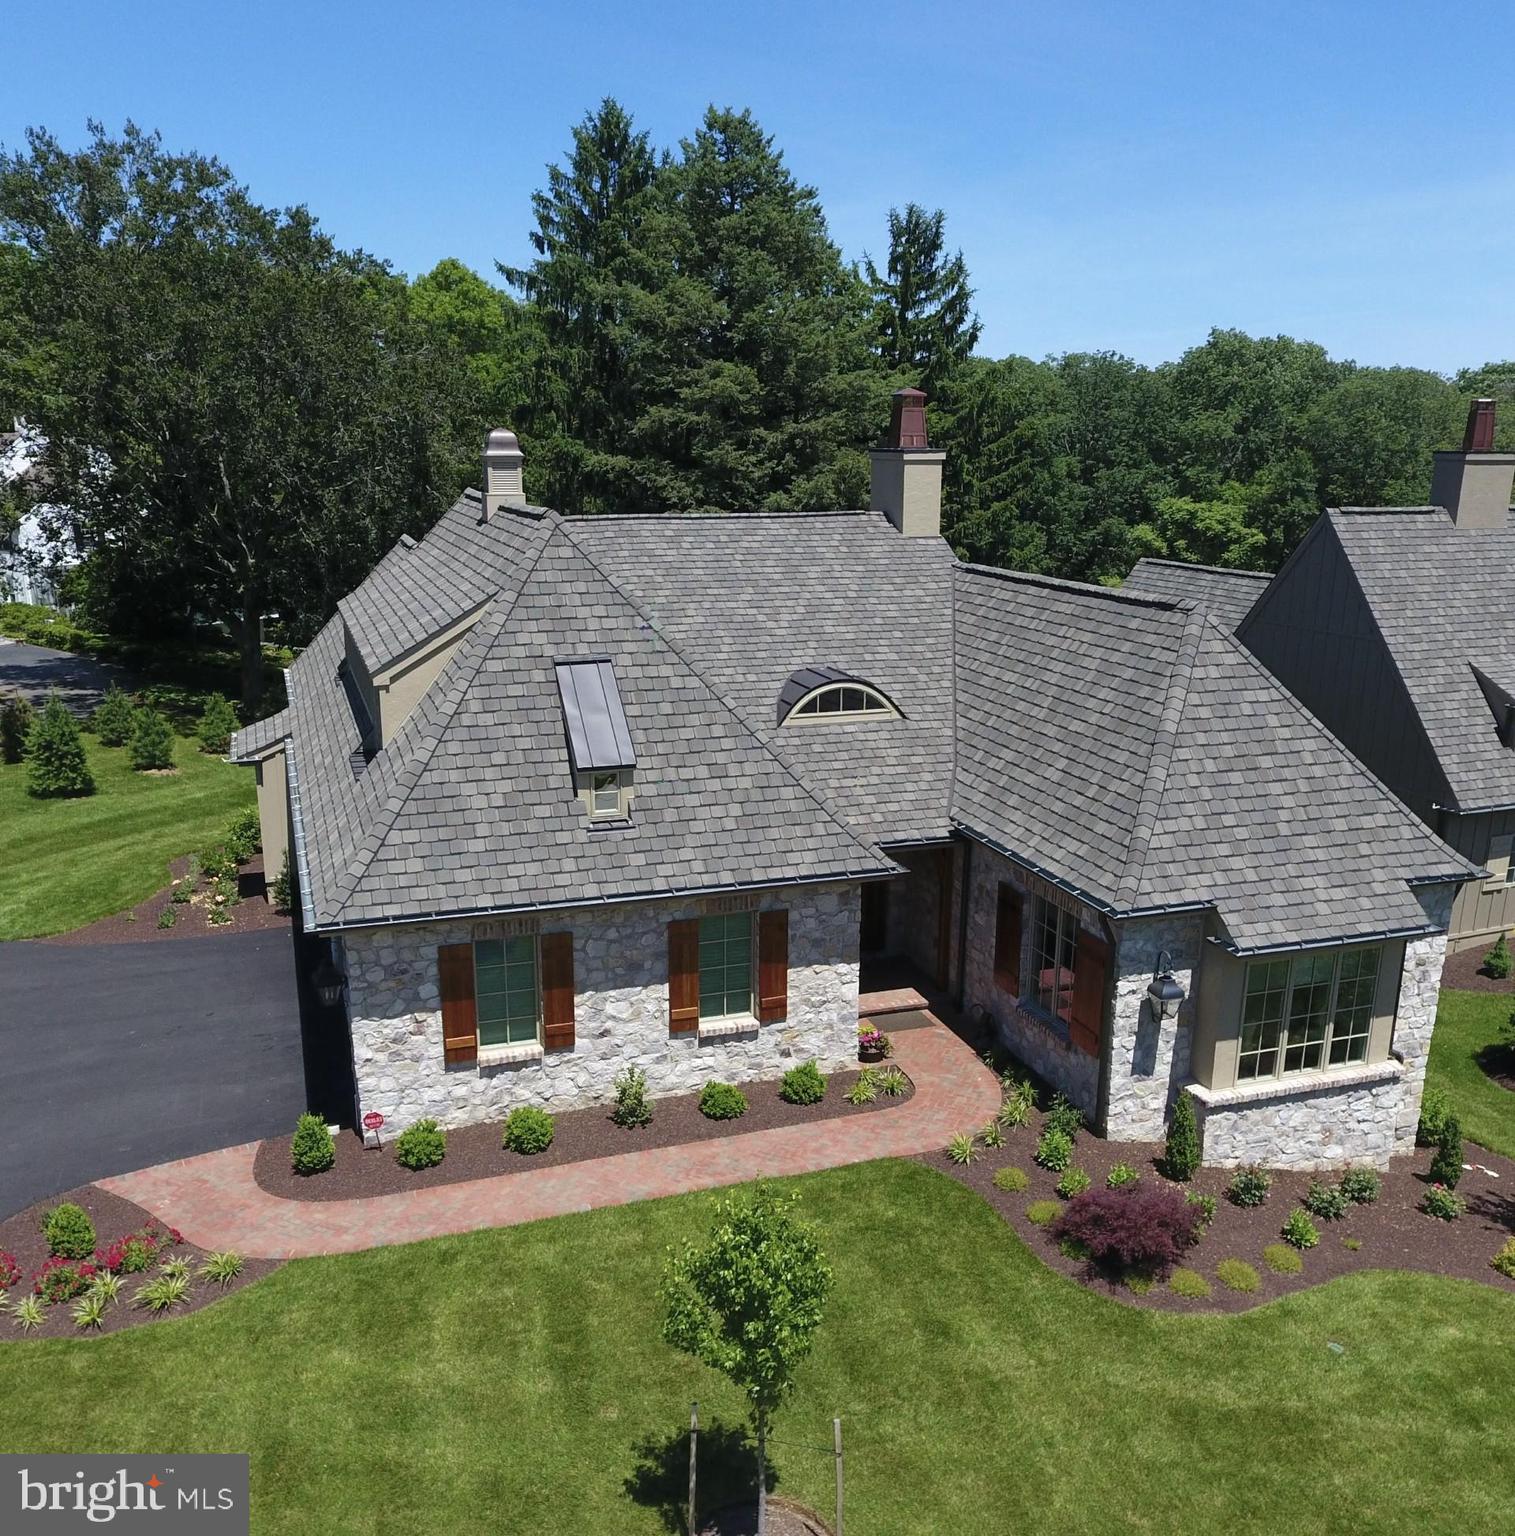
x: 16, y: 717
x: 217, y: 722
x: 1182, y: 1155
x: 152, y: 741
x: 923, y: 306
x: 113, y: 716
x: 55, y: 761
x: 1446, y: 1161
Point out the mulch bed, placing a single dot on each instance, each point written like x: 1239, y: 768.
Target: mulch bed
x: 474, y: 1151
x: 1499, y: 1065
x: 1394, y: 1234
x: 250, y: 915
x: 1463, y: 972
x: 21, y: 1235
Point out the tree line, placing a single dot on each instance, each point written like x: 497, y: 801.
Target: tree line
x: 241, y: 416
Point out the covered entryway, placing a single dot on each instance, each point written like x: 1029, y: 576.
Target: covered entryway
x: 908, y: 931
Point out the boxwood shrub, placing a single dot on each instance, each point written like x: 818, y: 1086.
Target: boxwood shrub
x: 312, y: 1150
x: 803, y: 1084
x: 422, y: 1145
x: 528, y: 1130
x: 722, y: 1101
x: 69, y: 1232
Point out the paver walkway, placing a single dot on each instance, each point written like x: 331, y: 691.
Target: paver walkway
x: 213, y: 1200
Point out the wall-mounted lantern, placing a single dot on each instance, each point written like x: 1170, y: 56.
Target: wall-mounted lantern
x: 1165, y: 992
x: 328, y: 982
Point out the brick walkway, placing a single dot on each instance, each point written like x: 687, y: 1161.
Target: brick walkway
x: 213, y: 1200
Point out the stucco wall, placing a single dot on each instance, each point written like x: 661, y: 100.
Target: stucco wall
x: 621, y: 1012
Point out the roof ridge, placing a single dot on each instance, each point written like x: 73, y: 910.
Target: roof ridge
x: 703, y: 515
x: 1081, y: 588
x: 1165, y: 738
x: 823, y: 805
x: 1195, y: 565
x: 1416, y: 511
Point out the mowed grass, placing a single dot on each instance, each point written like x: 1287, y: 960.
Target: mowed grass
x: 64, y: 863
x: 514, y: 1380
x: 1467, y: 1023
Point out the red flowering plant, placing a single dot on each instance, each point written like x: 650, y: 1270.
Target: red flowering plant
x: 10, y: 1270
x: 135, y: 1252
x: 871, y: 1041
x: 62, y: 1279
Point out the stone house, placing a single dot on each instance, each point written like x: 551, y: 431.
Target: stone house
x: 573, y: 794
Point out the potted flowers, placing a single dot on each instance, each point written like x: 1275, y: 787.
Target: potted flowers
x: 872, y: 1043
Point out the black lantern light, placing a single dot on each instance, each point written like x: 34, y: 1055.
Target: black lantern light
x: 328, y: 982
x: 1165, y: 992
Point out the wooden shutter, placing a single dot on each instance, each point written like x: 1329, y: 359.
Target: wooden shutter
x: 1007, y: 939
x: 1091, y: 971
x: 460, y: 1015
x: 684, y: 976
x: 773, y: 965
x: 557, y: 991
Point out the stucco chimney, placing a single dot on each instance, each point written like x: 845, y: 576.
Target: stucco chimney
x: 907, y: 470
x: 504, y: 485
x: 1473, y: 483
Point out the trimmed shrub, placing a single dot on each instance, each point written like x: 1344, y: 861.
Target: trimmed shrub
x: 1249, y: 1186
x: 422, y: 1145
x: 1504, y: 1260
x: 244, y: 836
x: 803, y: 1084
x: 1120, y: 1176
x: 1299, y: 1230
x: 1054, y: 1151
x: 1143, y: 1229
x: 16, y: 719
x: 1040, y: 1212
x: 631, y: 1108
x: 1203, y: 1207
x: 962, y: 1149
x: 1446, y: 1163
x: 1442, y: 1203
x: 1323, y: 1200
x: 1497, y: 962
x: 1237, y: 1275
x: 1189, y: 1282
x: 55, y: 762
x: 528, y: 1130
x: 1064, y: 1117
x: 1181, y: 1157
x: 283, y: 891
x: 69, y: 1232
x: 312, y: 1150
x: 1435, y: 1106
x: 1011, y: 1180
x: 722, y: 1101
x: 1074, y: 1182
x: 1282, y: 1259
x: 217, y: 721
x: 62, y: 1279
x: 151, y: 747
x: 1362, y: 1186
x: 113, y: 717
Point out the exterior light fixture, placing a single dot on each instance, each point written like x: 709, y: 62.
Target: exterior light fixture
x: 328, y: 982
x: 1165, y: 992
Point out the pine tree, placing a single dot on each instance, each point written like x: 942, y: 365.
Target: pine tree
x: 112, y: 719
x: 152, y: 741
x: 1446, y: 1163
x: 217, y: 722
x: 923, y: 306
x: 1182, y: 1156
x: 55, y: 761
x: 16, y: 717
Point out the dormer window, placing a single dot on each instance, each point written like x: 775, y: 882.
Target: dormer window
x: 600, y: 753
x: 605, y: 800
x: 823, y: 694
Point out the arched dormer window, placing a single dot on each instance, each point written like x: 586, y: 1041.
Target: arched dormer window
x: 821, y: 694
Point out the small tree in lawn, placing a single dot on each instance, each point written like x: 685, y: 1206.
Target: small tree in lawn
x: 1497, y: 961
x: 16, y: 717
x: 55, y: 762
x: 217, y: 722
x: 1446, y: 1162
x: 152, y: 743
x: 748, y: 1303
x: 1182, y: 1156
x: 113, y: 717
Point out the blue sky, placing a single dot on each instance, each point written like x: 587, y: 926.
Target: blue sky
x: 1119, y: 175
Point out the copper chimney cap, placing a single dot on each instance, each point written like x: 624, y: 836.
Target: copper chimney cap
x: 907, y: 420
x: 1479, y: 436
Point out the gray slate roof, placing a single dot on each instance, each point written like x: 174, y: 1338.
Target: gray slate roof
x: 256, y: 740
x: 1128, y: 746
x: 1440, y: 596
x: 1225, y: 594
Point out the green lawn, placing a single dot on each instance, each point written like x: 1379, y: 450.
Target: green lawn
x: 1466, y: 1023
x: 513, y: 1380
x: 64, y: 863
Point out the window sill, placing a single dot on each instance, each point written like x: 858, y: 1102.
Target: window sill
x: 510, y: 1055
x: 1048, y: 1021
x: 725, y: 1029
x: 1264, y: 1090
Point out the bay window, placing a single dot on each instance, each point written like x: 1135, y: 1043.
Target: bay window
x: 1305, y: 1012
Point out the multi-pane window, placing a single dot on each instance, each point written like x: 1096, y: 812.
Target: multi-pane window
x: 1304, y: 1013
x: 726, y: 965
x: 505, y: 990
x: 605, y: 795
x: 1053, y: 938
x: 844, y: 699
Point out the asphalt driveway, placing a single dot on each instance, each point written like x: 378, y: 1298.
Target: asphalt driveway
x: 36, y: 671
x: 115, y: 1056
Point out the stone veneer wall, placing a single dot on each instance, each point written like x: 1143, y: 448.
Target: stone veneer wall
x: 914, y: 919
x: 1037, y: 1043
x: 1419, y: 990
x: 1149, y: 1057
x: 621, y: 1012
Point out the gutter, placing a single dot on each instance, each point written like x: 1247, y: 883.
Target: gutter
x: 1426, y: 930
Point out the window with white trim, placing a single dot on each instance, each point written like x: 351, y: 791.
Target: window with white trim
x: 604, y: 795
x: 1500, y: 865
x: 506, y: 990
x: 726, y: 965
x: 1054, y: 938
x: 1307, y: 1012
x: 842, y: 701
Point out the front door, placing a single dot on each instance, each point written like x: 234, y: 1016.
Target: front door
x: 874, y: 935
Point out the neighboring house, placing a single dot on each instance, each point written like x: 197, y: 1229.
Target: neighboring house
x: 1395, y: 627
x: 30, y: 561
x: 1224, y: 594
x: 573, y: 794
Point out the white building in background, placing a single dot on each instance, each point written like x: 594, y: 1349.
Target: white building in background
x: 30, y: 560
